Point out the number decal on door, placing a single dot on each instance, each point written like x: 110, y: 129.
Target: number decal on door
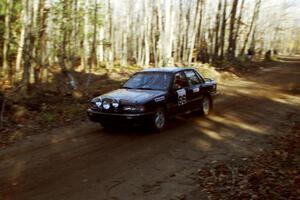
x: 181, y: 97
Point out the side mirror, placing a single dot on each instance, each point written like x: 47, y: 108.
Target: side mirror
x: 207, y: 80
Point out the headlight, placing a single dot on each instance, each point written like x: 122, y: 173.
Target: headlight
x: 106, y: 105
x: 97, y: 101
x: 134, y: 108
x: 115, y: 103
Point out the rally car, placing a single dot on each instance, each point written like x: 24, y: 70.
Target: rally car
x: 151, y: 96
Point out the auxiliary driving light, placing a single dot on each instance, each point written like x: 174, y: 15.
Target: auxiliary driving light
x: 115, y: 103
x: 106, y: 105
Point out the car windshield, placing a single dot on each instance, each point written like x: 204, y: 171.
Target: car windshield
x: 149, y: 81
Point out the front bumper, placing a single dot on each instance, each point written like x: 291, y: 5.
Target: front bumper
x: 98, y: 116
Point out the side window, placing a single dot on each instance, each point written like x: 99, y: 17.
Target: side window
x: 192, y: 77
x: 180, y: 81
x: 200, y: 76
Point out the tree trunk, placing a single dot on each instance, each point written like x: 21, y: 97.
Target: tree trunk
x: 41, y: 41
x: 223, y: 29
x: 230, y: 50
x: 254, y: 17
x: 94, y: 43
x: 101, y: 46
x: 124, y: 39
x: 28, y: 42
x: 85, y: 52
x: 6, y: 68
x: 239, y: 21
x: 217, y: 45
x: 161, y: 35
x: 20, y: 49
x: 185, y: 35
x: 63, y: 46
x: 195, y: 31
x: 111, y: 36
x: 147, y: 34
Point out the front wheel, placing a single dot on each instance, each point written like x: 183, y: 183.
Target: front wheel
x: 159, y: 120
x: 206, y: 106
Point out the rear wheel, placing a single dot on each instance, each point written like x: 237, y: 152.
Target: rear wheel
x: 206, y: 105
x: 159, y: 120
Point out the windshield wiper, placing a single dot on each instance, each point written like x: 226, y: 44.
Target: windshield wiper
x: 143, y: 88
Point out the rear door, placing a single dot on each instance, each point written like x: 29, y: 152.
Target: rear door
x: 207, y: 86
x: 195, y: 88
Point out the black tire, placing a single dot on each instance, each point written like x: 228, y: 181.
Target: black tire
x: 206, y: 105
x: 159, y: 120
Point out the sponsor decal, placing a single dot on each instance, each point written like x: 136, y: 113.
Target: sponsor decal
x: 195, y: 90
x: 181, y: 97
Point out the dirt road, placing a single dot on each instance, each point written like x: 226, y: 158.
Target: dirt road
x: 85, y: 162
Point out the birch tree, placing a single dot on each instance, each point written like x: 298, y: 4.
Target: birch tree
x: 6, y: 67
x: 27, y: 46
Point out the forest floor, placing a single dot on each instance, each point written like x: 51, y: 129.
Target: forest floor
x: 247, y: 148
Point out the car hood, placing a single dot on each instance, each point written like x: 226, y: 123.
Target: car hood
x: 133, y: 96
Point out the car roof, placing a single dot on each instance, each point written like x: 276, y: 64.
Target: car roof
x: 166, y: 69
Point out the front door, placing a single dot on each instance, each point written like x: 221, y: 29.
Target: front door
x: 179, y: 94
